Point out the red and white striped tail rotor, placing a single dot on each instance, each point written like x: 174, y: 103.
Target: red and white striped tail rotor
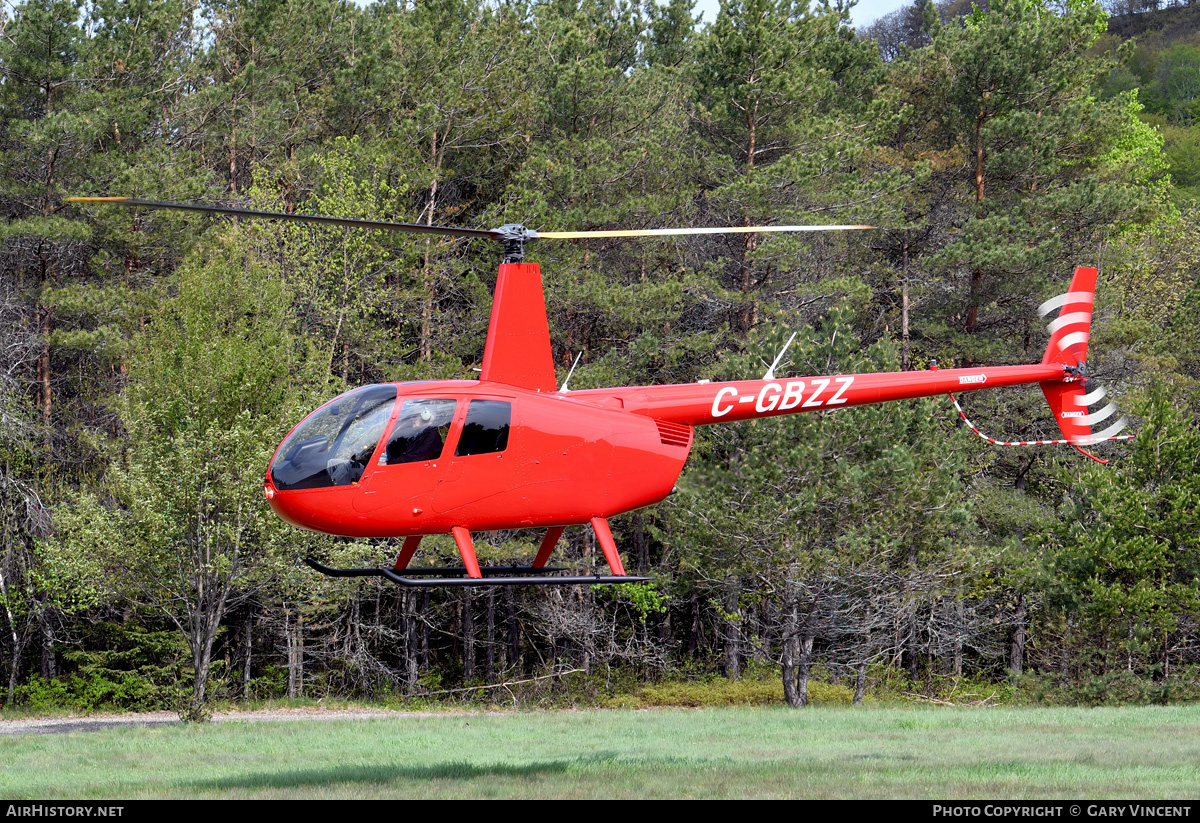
x: 1069, y: 331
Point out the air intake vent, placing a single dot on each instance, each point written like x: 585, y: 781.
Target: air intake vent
x: 674, y: 434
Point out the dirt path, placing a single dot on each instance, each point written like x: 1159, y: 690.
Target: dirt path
x: 65, y: 725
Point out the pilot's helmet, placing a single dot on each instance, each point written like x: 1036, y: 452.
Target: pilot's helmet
x: 426, y: 415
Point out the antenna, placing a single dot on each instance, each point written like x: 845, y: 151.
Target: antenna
x: 770, y: 375
x: 571, y: 372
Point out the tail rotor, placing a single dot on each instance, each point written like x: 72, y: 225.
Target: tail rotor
x: 1069, y: 399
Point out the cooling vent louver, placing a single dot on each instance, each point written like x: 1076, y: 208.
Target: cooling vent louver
x: 674, y: 434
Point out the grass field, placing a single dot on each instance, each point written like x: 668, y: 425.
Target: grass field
x: 822, y: 752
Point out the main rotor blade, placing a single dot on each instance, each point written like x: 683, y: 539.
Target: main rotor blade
x: 513, y: 235
x: 573, y: 235
x: 412, y: 228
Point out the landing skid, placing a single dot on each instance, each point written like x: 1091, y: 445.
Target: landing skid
x: 491, y: 576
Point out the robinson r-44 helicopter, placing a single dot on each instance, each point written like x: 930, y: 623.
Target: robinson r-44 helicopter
x: 513, y: 450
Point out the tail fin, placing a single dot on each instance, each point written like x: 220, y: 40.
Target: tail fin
x: 1068, y: 345
x: 1069, y: 331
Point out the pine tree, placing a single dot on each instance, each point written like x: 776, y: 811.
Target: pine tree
x: 1124, y: 559
x: 781, y: 88
x: 214, y: 381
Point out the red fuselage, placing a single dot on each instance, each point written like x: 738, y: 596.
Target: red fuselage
x: 566, y: 457
x: 566, y: 460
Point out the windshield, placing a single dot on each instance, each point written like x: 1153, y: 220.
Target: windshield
x: 334, y: 444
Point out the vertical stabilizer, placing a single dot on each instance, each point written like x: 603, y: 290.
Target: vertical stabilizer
x: 1070, y: 329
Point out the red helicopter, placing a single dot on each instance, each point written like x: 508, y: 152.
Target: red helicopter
x: 513, y: 450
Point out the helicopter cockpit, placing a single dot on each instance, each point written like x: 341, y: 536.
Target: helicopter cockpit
x: 333, y: 445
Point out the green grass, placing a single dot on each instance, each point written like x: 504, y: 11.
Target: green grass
x: 823, y: 752
x: 720, y: 692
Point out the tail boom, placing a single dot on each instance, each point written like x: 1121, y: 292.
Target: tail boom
x: 701, y: 404
x: 1062, y: 376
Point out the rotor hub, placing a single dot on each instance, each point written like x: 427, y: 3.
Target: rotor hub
x: 514, y: 236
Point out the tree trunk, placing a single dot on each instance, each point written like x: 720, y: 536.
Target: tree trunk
x: 912, y: 659
x: 663, y: 628
x: 757, y: 618
x: 1016, y: 661
x: 489, y: 665
x: 960, y: 614
x: 585, y: 601
x: 1023, y: 474
x: 412, y: 639
x: 295, y: 654
x: 1064, y: 655
x: 15, y: 638
x: 977, y: 272
x: 468, y: 630
x: 586, y: 604
x: 804, y: 668
x: 905, y: 343
x: 45, y: 391
x: 204, y: 620
x: 424, y: 624
x: 49, y: 668
x: 910, y: 643
x: 733, y: 636
x: 201, y: 641
x: 12, y: 674
x: 514, y: 633
x: 860, y: 683
x: 791, y: 651
x: 427, y: 296
x: 746, y: 315
x: 233, y: 160
x: 248, y: 651
x: 693, y: 641
x: 197, y: 710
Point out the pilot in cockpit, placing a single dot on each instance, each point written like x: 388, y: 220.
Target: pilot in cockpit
x: 416, y: 438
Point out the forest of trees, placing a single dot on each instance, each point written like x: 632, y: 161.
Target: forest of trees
x: 150, y: 361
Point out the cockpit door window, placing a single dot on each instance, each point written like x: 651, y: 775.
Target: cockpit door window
x: 420, y: 431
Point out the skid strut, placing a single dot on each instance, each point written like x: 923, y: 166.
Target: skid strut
x: 548, y: 544
x: 604, y: 535
x: 466, y: 548
x: 406, y: 552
